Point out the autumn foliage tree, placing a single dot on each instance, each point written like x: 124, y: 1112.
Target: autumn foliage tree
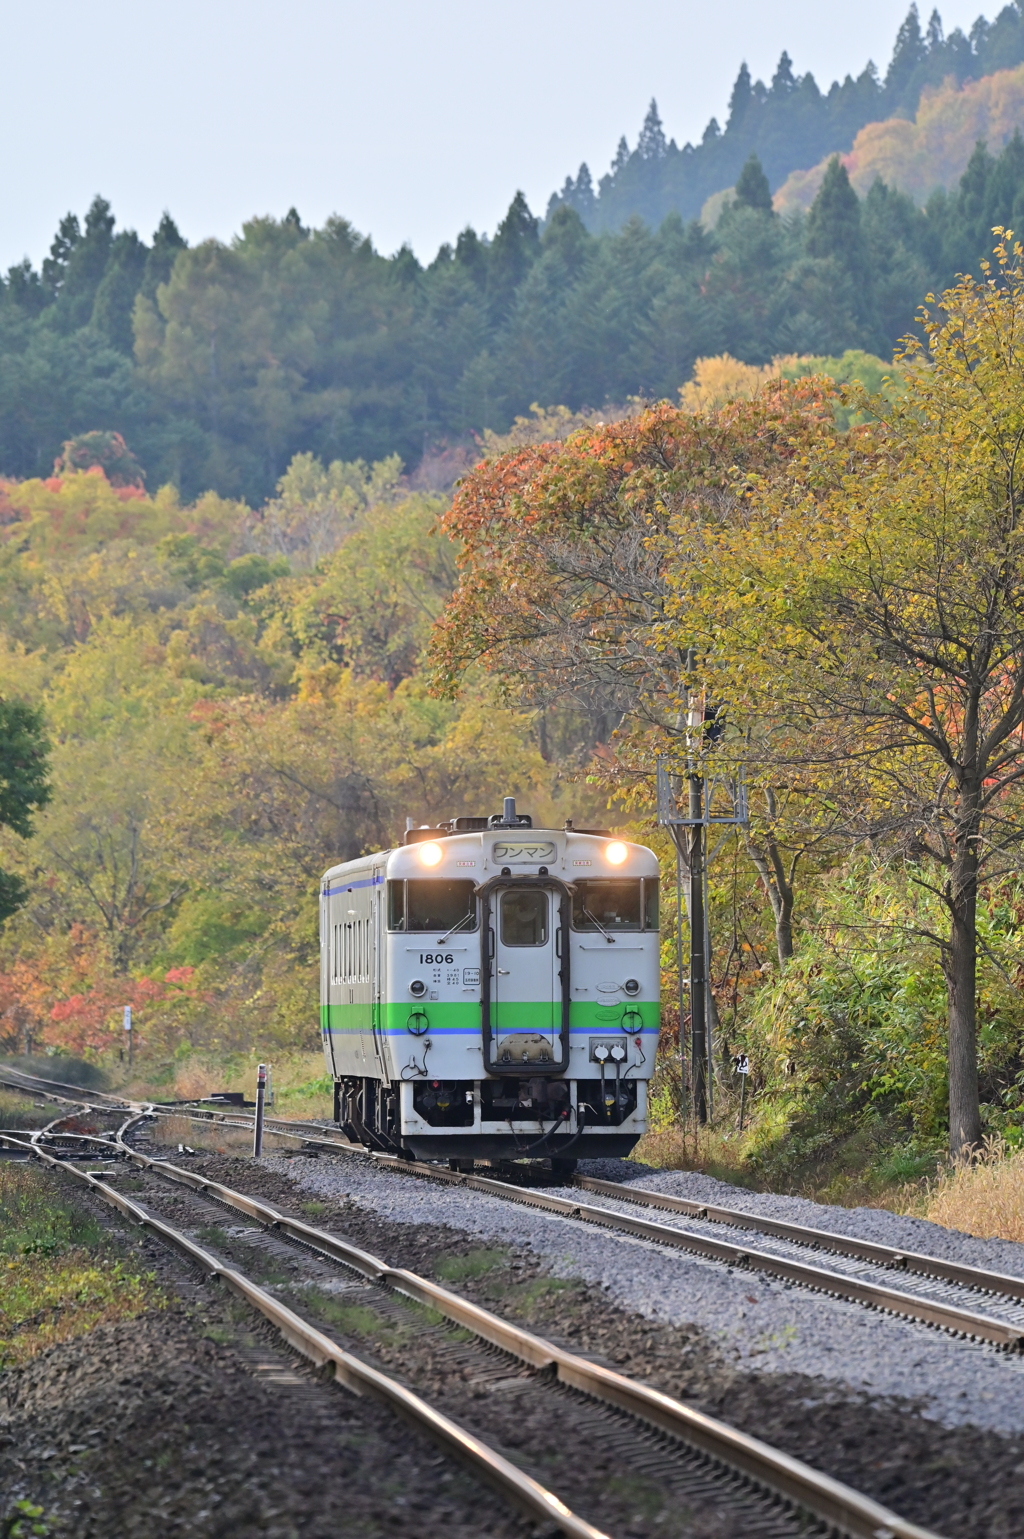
x: 565, y: 548
x: 865, y: 608
x: 570, y: 560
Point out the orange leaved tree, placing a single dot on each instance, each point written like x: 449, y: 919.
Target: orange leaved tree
x: 566, y: 587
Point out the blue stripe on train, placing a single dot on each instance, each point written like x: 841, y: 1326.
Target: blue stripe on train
x: 376, y: 880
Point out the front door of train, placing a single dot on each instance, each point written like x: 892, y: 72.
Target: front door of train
x: 526, y: 989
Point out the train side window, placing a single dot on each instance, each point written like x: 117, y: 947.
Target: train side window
x: 652, y: 919
x: 396, y: 905
x: 607, y: 905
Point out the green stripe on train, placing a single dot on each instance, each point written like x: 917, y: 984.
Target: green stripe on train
x: 462, y: 1018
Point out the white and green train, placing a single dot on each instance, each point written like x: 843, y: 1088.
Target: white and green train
x: 490, y: 990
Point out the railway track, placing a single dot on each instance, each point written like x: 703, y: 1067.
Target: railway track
x: 356, y: 1375
x: 935, y: 1292
x: 690, y: 1457
x: 862, y: 1286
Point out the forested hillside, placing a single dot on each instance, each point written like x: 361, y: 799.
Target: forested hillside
x: 789, y: 124
x: 219, y: 363
x: 233, y: 698
x: 923, y: 155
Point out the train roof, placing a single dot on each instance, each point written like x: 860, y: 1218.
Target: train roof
x: 509, y: 844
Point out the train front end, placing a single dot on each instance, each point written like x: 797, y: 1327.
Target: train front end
x: 513, y: 986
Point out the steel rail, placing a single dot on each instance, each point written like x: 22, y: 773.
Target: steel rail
x: 359, y: 1377
x: 962, y: 1322
x: 275, y: 1125
x: 979, y: 1279
x: 828, y: 1499
x: 15, y: 1079
x: 822, y: 1239
x: 944, y: 1316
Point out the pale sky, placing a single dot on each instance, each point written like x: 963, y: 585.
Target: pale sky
x: 411, y: 120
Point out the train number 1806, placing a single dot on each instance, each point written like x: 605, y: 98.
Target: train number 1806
x: 438, y: 957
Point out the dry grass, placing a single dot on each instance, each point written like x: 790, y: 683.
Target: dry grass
x: 59, y: 1277
x: 984, y: 1198
x: 216, y: 1137
x: 195, y: 1079
x: 716, y: 1151
x: 300, y: 1089
x: 17, y: 1112
x: 46, y: 1300
x: 212, y: 1137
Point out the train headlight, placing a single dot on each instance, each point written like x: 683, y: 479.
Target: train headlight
x: 417, y: 988
x: 631, y: 986
x: 430, y: 854
x: 616, y: 852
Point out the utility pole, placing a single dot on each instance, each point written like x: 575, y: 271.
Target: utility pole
x: 698, y: 982
x: 676, y: 834
x: 704, y: 807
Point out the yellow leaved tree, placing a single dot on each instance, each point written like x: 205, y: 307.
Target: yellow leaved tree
x: 861, y: 614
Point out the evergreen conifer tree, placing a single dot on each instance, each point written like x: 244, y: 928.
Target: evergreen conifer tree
x: 69, y: 234
x: 783, y: 81
x: 651, y: 144
x: 471, y: 255
x: 833, y: 224
x: 167, y: 242
x: 910, y: 52
x: 740, y: 99
x: 752, y: 187
x: 514, y: 249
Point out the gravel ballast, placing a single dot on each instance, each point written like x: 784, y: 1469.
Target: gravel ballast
x: 958, y: 1481
x: 877, y: 1224
x: 195, y: 1419
x: 760, y: 1324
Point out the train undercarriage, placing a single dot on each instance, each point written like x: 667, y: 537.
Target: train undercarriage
x: 494, y: 1121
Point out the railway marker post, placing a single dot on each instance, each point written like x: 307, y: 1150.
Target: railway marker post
x: 741, y: 1063
x: 128, y: 1029
x: 261, y: 1095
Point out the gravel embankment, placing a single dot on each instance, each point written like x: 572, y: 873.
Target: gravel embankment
x: 194, y: 1419
x: 764, y: 1326
x: 876, y: 1224
x: 993, y: 1306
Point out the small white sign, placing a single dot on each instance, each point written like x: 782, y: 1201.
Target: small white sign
x: 127, y: 1017
x: 470, y: 975
x: 741, y: 1063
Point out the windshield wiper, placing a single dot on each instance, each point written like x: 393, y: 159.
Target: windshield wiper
x: 464, y: 920
x: 609, y: 938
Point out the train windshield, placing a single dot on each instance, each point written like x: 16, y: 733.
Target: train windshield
x: 431, y: 905
x: 615, y: 905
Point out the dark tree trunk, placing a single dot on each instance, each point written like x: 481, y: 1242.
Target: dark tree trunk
x: 769, y: 866
x: 960, y: 964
